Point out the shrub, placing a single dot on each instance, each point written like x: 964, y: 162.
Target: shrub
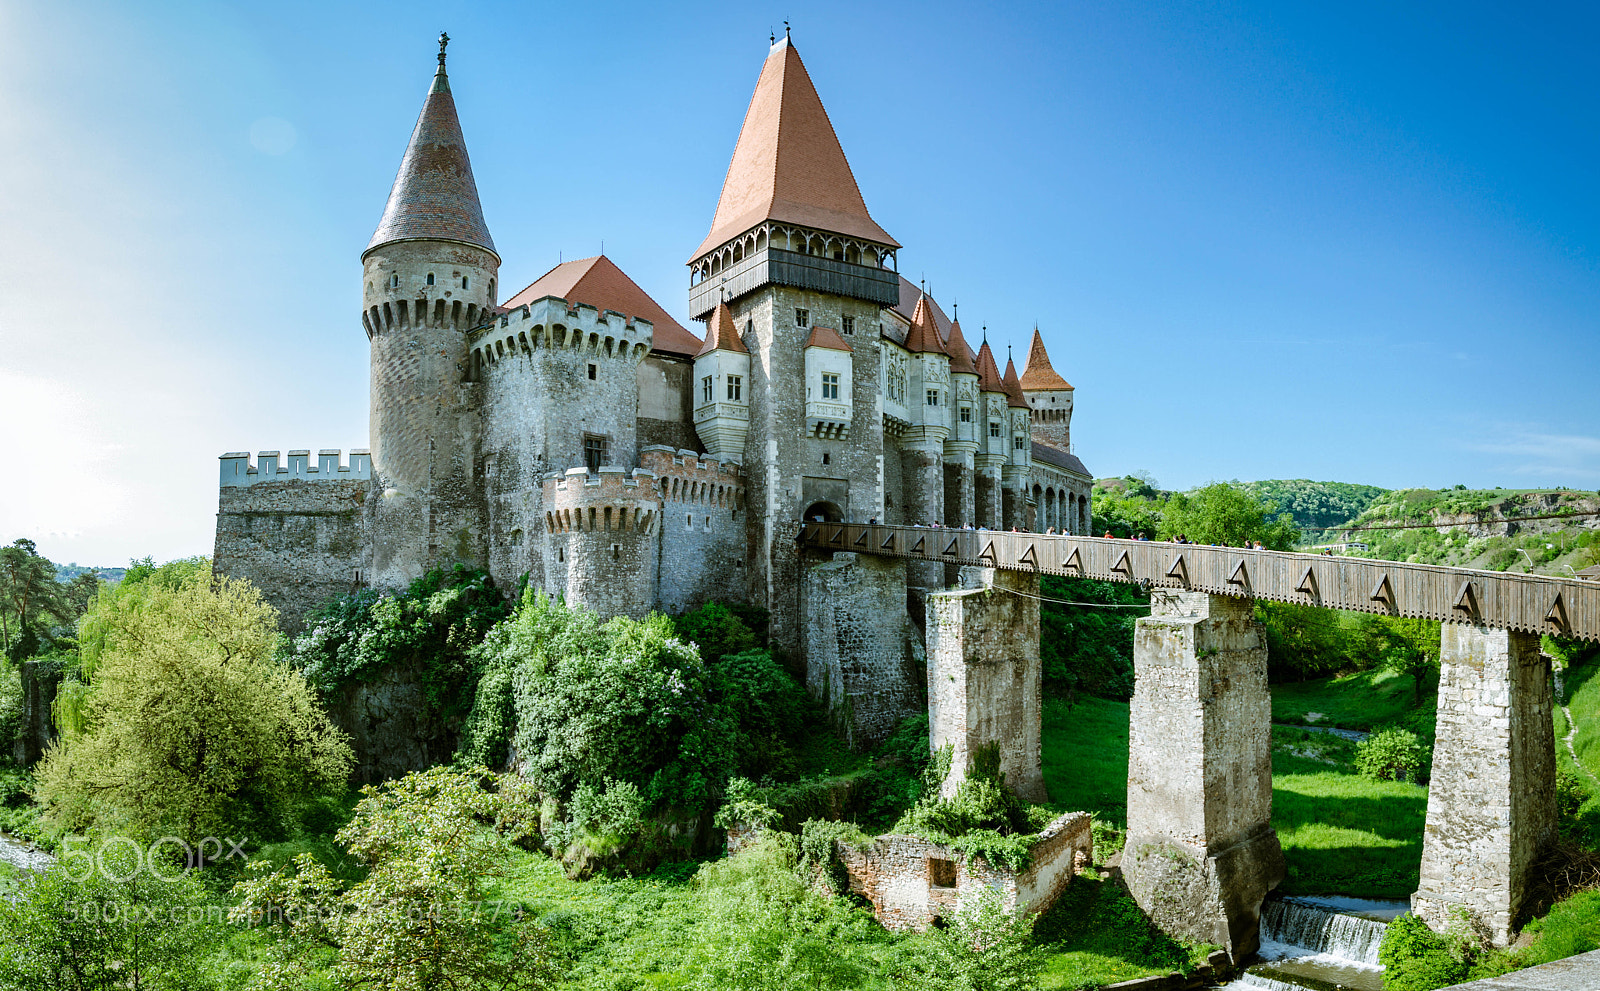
x: 983, y: 948
x: 716, y: 631
x: 1390, y: 754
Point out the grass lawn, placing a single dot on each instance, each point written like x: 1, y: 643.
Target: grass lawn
x: 1359, y: 701
x: 1341, y: 833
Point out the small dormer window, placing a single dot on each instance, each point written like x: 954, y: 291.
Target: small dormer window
x: 802, y: 318
x: 430, y: 278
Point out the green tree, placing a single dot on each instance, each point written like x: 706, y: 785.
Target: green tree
x: 1225, y: 514
x: 984, y: 948
x: 434, y: 842
x: 119, y: 927
x: 1402, y: 645
x: 191, y: 726
x: 29, y: 598
x: 1304, y: 639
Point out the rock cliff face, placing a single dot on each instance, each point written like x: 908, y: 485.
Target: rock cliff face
x: 390, y: 726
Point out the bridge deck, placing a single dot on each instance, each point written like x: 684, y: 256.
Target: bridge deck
x: 1530, y: 603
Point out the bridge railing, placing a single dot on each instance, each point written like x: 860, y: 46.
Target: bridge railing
x: 1530, y: 603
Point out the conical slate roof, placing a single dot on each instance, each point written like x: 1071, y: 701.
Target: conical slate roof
x: 435, y: 197
x: 1013, y: 388
x: 721, y: 334
x: 960, y: 355
x: 988, y: 373
x: 1038, y: 376
x: 788, y: 164
x: 923, y: 337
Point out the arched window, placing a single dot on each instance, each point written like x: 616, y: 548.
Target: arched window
x: 430, y: 278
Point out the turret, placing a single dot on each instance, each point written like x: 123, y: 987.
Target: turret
x: 429, y: 276
x: 1049, y: 396
x: 722, y: 398
x: 994, y: 434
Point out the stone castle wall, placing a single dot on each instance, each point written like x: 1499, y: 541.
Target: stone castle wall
x: 603, y: 532
x: 703, y: 552
x: 297, y: 531
x: 862, y: 652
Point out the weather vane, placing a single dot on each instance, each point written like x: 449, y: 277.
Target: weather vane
x: 444, y: 39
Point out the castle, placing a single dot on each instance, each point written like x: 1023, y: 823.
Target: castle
x: 575, y: 432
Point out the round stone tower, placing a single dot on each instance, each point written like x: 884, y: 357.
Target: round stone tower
x: 604, y: 538
x: 429, y: 276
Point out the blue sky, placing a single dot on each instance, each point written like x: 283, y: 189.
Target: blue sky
x: 1356, y: 242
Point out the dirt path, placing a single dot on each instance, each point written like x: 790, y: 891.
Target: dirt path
x: 1572, y: 731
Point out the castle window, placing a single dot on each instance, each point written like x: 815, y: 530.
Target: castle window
x: 705, y: 390
x: 394, y: 281
x: 735, y: 387
x: 830, y: 386
x: 1016, y: 442
x: 616, y: 551
x: 847, y: 324
x: 994, y: 428
x: 802, y: 318
x: 824, y: 457
x: 463, y: 282
x: 430, y: 278
x: 966, y: 414
x: 593, y: 371
x: 933, y: 397
x: 561, y: 553
x: 594, y: 452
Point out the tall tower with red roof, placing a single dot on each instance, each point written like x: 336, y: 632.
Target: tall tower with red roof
x: 797, y: 267
x: 428, y: 278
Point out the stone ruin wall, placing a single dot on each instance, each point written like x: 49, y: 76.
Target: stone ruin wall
x: 296, y: 531
x: 901, y: 875
x: 862, y: 652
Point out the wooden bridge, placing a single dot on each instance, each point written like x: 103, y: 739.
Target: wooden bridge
x: 1526, y: 603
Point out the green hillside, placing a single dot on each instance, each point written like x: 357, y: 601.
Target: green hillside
x: 1315, y: 505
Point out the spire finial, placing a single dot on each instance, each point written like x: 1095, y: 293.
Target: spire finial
x: 444, y: 39
x: 986, y: 333
x: 955, y: 310
x: 772, y: 37
x: 785, y: 30
x: 924, y: 285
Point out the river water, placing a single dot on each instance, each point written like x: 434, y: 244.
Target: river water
x: 1319, y: 943
x: 23, y: 856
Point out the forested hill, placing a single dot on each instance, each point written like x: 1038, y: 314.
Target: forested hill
x: 1315, y: 505
x: 1548, y: 531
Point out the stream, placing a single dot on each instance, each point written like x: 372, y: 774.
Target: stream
x: 1319, y: 943
x: 23, y: 856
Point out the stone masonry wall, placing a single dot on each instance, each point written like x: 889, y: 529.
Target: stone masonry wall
x: 300, y: 542
x: 604, y: 534
x: 1491, y: 800
x: 858, y: 644
x: 704, y: 557
x: 1201, y: 854
x: 984, y: 677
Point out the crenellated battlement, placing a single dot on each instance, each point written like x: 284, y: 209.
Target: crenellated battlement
x: 613, y: 499
x: 552, y: 324
x: 685, y: 476
x: 238, y: 472
x: 410, y: 314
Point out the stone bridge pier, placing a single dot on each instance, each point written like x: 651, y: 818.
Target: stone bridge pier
x: 984, y: 676
x: 1491, y: 800
x: 1201, y: 853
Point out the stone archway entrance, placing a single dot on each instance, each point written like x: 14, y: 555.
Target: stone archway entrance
x: 823, y: 512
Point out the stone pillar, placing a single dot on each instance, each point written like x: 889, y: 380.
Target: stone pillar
x: 861, y: 649
x: 1201, y: 853
x: 984, y: 682
x: 922, y: 478
x: 1491, y: 800
x: 987, y: 495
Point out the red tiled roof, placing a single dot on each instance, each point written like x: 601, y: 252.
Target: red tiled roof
x: 907, y: 307
x: 788, y: 165
x: 827, y: 337
x: 600, y: 283
x: 434, y: 197
x: 1013, y: 389
x: 960, y: 355
x: 923, y: 337
x: 1038, y: 375
x: 721, y: 334
x: 988, y: 374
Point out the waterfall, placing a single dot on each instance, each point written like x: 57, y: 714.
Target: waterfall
x: 1319, y: 931
x: 1256, y: 982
